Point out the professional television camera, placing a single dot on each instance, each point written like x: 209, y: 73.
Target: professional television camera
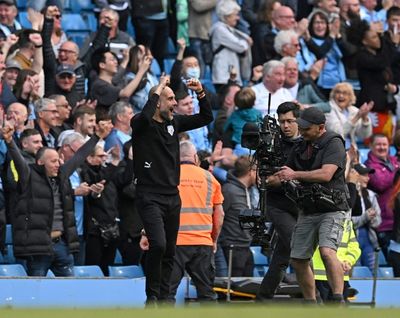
x: 267, y: 143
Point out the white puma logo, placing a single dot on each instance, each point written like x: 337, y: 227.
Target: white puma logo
x: 147, y: 165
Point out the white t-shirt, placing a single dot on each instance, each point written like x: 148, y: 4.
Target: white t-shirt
x: 277, y: 98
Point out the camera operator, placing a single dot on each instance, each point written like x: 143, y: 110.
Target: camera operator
x: 318, y: 164
x: 281, y: 212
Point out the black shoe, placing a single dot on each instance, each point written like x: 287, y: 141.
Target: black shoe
x: 151, y: 302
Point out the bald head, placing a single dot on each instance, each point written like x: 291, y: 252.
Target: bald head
x: 283, y: 18
x: 188, y: 152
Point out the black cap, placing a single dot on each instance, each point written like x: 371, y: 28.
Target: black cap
x: 361, y: 169
x: 65, y: 68
x: 311, y: 116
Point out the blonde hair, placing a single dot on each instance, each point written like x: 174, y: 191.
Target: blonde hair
x: 346, y: 87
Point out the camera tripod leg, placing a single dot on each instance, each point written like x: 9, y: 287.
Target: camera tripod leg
x: 228, y: 294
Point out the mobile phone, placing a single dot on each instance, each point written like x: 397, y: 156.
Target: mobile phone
x: 395, y: 29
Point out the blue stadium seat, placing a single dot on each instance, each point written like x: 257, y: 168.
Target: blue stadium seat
x: 208, y: 84
x: 168, y: 63
x: 171, y: 49
x: 260, y: 271
x: 23, y: 19
x: 12, y: 270
x: 126, y: 271
x: 361, y: 272
x: 77, y: 6
x: 258, y: 257
x: 130, y: 28
x: 50, y: 274
x: 90, y: 20
x: 73, y: 21
x: 78, y: 37
x: 260, y: 261
x: 9, y: 255
x: 118, y: 258
x: 155, y: 68
x: 88, y: 271
x: 21, y: 5
x: 9, y: 236
x: 382, y: 259
x: 363, y: 154
x: 385, y: 272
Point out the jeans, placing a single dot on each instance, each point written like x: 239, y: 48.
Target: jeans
x: 367, y: 249
x: 160, y: 217
x: 61, y: 262
x: 221, y: 266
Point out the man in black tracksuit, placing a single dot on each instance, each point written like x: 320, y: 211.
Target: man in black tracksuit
x: 156, y: 166
x: 44, y: 231
x: 281, y: 211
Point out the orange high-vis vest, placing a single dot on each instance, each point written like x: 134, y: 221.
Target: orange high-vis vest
x: 199, y: 192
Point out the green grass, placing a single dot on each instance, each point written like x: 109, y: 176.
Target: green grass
x: 236, y: 311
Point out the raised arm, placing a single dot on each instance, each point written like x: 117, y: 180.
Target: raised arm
x: 21, y: 165
x: 204, y: 117
x: 103, y: 129
x: 143, y: 119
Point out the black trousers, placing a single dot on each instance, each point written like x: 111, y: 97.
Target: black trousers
x: 99, y: 254
x: 130, y: 250
x: 153, y: 34
x: 242, y: 261
x: 160, y: 216
x: 196, y: 260
x: 284, y: 223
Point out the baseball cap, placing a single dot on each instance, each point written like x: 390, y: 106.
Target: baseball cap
x: 65, y: 69
x: 311, y: 116
x: 13, y: 64
x: 362, y: 169
x: 8, y: 2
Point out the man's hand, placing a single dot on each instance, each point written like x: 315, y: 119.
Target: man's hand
x: 346, y: 266
x: 302, y: 27
x: 145, y: 64
x: 286, y: 174
x: 316, y: 68
x: 7, y: 133
x: 103, y: 128
x: 144, y: 243
x: 364, y: 110
x: 36, y: 19
x: 194, y: 85
x: 82, y: 190
x: 52, y: 11
x: 371, y: 213
x: 217, y: 152
x: 11, y: 40
x: 36, y: 39
x: 257, y: 73
x: 98, y: 187
x: 181, y: 44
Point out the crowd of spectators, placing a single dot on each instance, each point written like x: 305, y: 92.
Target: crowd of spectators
x: 251, y: 55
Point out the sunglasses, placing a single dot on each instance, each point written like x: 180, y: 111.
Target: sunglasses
x: 65, y: 76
